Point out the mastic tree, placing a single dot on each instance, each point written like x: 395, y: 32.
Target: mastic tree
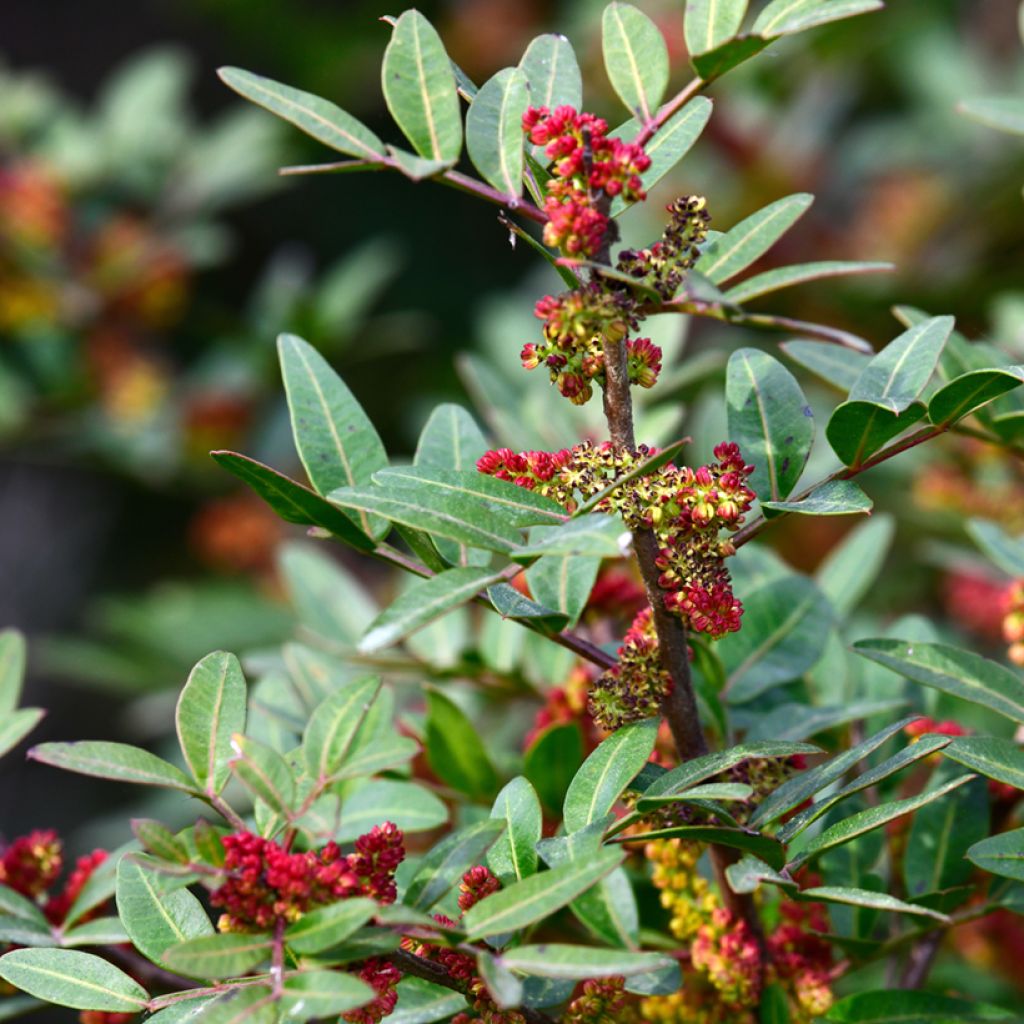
x: 669, y: 845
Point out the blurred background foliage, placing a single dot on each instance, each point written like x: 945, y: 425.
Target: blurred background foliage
x: 149, y: 254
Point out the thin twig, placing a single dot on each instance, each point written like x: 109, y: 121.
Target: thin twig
x: 921, y: 959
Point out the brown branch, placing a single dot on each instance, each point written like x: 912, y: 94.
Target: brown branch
x: 922, y: 957
x: 669, y: 108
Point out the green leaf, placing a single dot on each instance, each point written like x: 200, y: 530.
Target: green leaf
x: 264, y: 772
x: 316, y: 994
x: 465, y: 520
x: 70, y: 978
x: 785, y: 627
x: 905, y: 1006
x: 832, y: 498
x: 447, y: 862
x: 335, y: 440
x: 16, y: 725
x: 494, y: 130
x: 117, y: 761
x: 763, y: 847
x: 420, y: 89
x: 1009, y: 426
x: 441, y: 487
x: 510, y: 604
x: 802, y: 787
x: 408, y: 805
x: 455, y: 749
x: 1002, y: 854
x: 866, y: 898
x: 971, y: 391
x: 706, y: 766
x: 99, y: 887
x: 672, y: 141
x: 514, y: 855
x: 867, y: 820
x: 12, y: 669
x: 856, y: 430
x: 20, y: 932
x: 100, y: 931
x: 731, y: 54
x: 555, y: 960
x: 563, y: 583
x: 291, y: 501
x: 999, y: 759
x: 596, y: 535
x: 416, y: 168
x: 538, y: 896
x: 959, y: 673
x: 451, y: 439
x: 379, y: 754
x: 783, y: 17
x: 315, y: 116
x: 1007, y: 552
x: 333, y: 727
x: 552, y: 761
x: 786, y: 277
x: 1004, y: 113
x: 835, y: 365
x: 552, y: 73
x: 329, y: 926
x: 219, y: 956
x: 769, y: 419
x: 635, y: 57
x: 607, y: 772
x: 210, y: 710
x: 422, y: 1002
x: 709, y: 23
x: 795, y: 721
x: 13, y: 904
x: 850, y: 569
x: 751, y: 238
x: 156, y: 919
x: 749, y: 873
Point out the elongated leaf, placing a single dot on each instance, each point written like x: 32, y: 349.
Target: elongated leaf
x: 13, y: 904
x: 210, y: 710
x: 849, y: 570
x: 455, y: 750
x: 837, y: 366
x: 751, y: 238
x: 264, y: 772
x: 793, y: 721
x: 607, y: 772
x: 70, y: 978
x: 154, y: 918
x: 16, y: 725
x: 334, y: 438
x: 450, y: 860
x: 467, y: 521
x: 770, y: 420
x: 554, y: 960
x: 422, y: 1002
x: 318, y: 117
x: 1004, y: 113
x: 867, y: 820
x: 951, y: 670
x: 316, y: 994
x: 118, y: 761
x: 329, y: 926
x: 563, y: 583
x: 100, y: 931
x: 20, y: 932
x: 420, y: 89
x: 538, y: 896
x: 857, y: 430
x: 494, y: 130
x: 1002, y: 854
x: 12, y: 669
x: 635, y: 57
x: 552, y: 761
x: 728, y: 55
x: 749, y: 873
x: 866, y: 898
x: 904, y: 1006
x: 783, y: 17
x: 219, y: 956
x: 409, y: 806
x: 509, y: 603
x: 514, y: 855
x: 451, y: 439
x: 763, y: 847
x: 964, y: 394
x: 832, y: 498
x: 596, y: 535
x: 999, y: 759
x: 552, y: 73
x: 709, y: 23
x: 786, y: 277
x: 672, y: 141
x: 1007, y: 552
x: 291, y: 501
x: 331, y: 733
x: 802, y: 787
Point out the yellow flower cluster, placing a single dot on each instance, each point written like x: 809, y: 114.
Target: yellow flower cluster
x: 687, y: 896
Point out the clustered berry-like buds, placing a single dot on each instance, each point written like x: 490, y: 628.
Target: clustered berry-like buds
x: 267, y: 883
x: 477, y: 883
x: 589, y: 170
x: 726, y: 950
x: 31, y: 864
x: 634, y: 688
x: 58, y: 905
x: 1013, y: 622
x: 601, y: 1001
x: 535, y: 471
x: 382, y: 976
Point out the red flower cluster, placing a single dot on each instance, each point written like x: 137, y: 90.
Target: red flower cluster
x: 727, y: 951
x: 382, y: 976
x: 801, y: 958
x: 477, y: 883
x: 589, y: 170
x: 535, y: 471
x: 266, y: 883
